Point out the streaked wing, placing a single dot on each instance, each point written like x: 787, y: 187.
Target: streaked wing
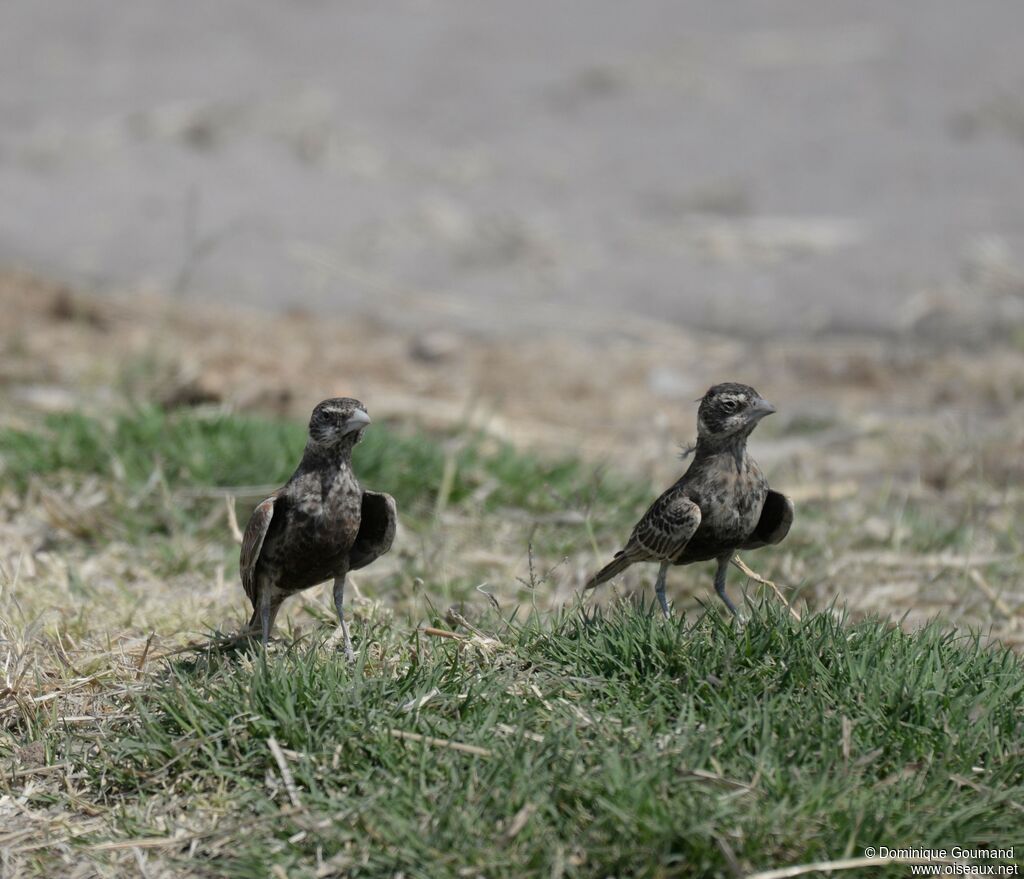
x: 775, y: 522
x: 377, y: 525
x: 665, y: 528
x: 252, y: 543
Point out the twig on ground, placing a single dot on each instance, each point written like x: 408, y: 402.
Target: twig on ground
x: 140, y: 665
x: 441, y: 743
x: 714, y: 778
x: 519, y: 821
x: 442, y: 633
x: 757, y: 578
x: 39, y: 770
x: 963, y: 781
x: 459, y: 620
x: 490, y: 595
x: 144, y: 842
x: 844, y: 864
x: 236, y: 532
x: 286, y: 773
x: 979, y: 580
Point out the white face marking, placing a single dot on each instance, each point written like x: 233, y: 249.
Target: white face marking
x: 734, y: 420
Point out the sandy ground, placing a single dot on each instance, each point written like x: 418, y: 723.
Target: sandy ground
x: 759, y: 168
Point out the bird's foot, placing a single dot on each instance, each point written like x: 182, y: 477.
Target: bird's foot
x: 338, y: 637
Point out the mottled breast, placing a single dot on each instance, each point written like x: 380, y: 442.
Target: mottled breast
x: 320, y: 524
x: 730, y: 500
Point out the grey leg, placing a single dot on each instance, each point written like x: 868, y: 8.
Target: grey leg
x: 339, y: 600
x: 659, y: 589
x: 268, y: 603
x: 723, y: 566
x: 266, y: 616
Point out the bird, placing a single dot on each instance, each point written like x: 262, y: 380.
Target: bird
x: 318, y: 526
x: 721, y: 504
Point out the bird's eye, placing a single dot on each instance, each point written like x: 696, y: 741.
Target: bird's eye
x: 730, y: 405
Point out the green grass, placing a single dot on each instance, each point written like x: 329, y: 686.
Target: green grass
x: 614, y: 743
x: 186, y: 447
x: 145, y: 451
x: 626, y: 746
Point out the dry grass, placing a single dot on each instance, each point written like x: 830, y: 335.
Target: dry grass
x: 906, y: 463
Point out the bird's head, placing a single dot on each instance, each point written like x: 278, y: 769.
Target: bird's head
x: 730, y: 410
x: 336, y: 422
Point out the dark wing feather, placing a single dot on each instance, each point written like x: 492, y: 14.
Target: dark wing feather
x: 379, y: 519
x: 661, y: 534
x: 665, y: 528
x: 774, y: 524
x: 252, y: 543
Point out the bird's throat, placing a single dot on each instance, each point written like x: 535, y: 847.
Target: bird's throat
x: 733, y: 447
x: 328, y: 457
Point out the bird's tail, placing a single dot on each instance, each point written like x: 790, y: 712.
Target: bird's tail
x: 616, y: 566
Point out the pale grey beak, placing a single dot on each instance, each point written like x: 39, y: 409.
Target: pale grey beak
x: 356, y: 421
x: 760, y: 409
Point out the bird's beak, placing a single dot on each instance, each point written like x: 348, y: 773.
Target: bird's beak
x: 357, y: 421
x: 760, y: 409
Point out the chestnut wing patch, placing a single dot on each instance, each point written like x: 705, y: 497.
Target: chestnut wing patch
x: 775, y: 522
x: 377, y: 525
x: 252, y: 544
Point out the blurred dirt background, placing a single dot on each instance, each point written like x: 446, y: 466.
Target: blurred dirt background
x: 761, y: 169
x: 558, y: 225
